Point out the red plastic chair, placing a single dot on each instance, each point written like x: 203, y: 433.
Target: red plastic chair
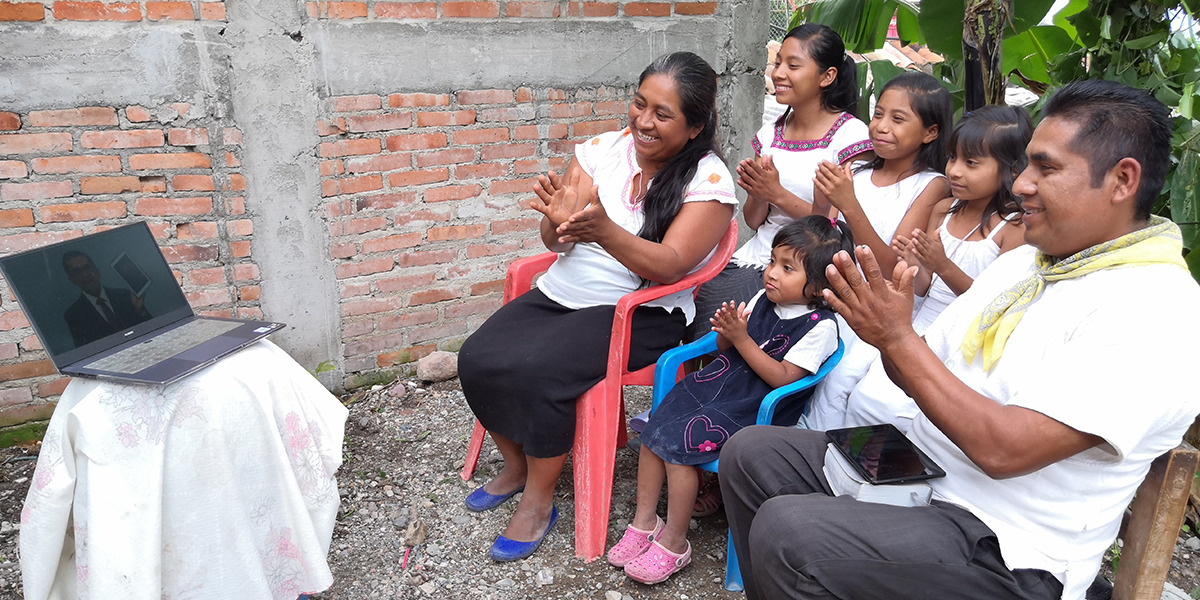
x: 600, y: 412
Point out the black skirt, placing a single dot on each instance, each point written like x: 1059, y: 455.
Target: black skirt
x: 524, y: 368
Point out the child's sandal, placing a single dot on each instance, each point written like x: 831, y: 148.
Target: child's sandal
x: 707, y: 503
x: 657, y: 563
x: 634, y: 542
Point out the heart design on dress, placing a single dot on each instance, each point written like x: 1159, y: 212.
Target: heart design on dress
x: 775, y: 345
x: 701, y: 435
x: 712, y: 370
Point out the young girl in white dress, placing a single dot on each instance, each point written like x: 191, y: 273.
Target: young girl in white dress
x: 981, y: 220
x: 895, y: 192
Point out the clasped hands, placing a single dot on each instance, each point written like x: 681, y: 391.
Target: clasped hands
x: 878, y: 310
x: 836, y: 183
x: 759, y: 177
x: 559, y: 201
x: 730, y: 321
x: 921, y: 248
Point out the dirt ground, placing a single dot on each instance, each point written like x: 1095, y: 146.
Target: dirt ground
x: 404, y: 447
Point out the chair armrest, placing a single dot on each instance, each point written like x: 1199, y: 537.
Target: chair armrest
x: 668, y: 365
x: 519, y: 278
x: 622, y: 318
x: 766, y: 410
x: 714, y: 266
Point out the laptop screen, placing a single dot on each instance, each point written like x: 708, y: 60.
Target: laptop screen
x: 89, y: 294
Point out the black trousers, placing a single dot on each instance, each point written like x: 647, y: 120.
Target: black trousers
x: 794, y: 539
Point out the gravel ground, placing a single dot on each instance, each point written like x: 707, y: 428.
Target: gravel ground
x: 404, y: 448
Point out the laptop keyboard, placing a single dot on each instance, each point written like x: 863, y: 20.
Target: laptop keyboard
x: 163, y: 346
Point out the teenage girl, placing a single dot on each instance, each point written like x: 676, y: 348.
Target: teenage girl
x: 818, y: 82
x: 981, y: 220
x: 897, y: 191
x: 785, y: 333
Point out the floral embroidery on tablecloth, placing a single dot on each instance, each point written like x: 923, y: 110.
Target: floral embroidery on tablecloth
x: 302, y: 442
x: 282, y: 565
x: 50, y: 462
x: 81, y: 558
x: 150, y: 411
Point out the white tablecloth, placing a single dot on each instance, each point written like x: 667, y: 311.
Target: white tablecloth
x: 218, y: 486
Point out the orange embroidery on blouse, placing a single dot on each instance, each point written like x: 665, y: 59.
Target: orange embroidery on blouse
x: 714, y: 178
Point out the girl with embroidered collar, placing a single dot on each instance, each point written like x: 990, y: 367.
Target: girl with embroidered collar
x: 818, y: 82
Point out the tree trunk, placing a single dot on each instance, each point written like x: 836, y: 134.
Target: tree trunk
x: 983, y: 24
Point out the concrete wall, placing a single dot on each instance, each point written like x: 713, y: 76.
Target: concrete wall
x: 350, y: 168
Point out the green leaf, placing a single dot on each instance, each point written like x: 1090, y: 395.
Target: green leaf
x: 1061, y: 17
x: 1028, y: 13
x: 1187, y: 102
x: 882, y: 71
x: 861, y: 23
x: 1033, y: 51
x: 942, y: 25
x: 1146, y: 41
x: 1185, y: 200
x: 1087, y: 25
x: 908, y: 26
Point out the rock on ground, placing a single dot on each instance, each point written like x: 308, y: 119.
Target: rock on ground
x: 438, y: 366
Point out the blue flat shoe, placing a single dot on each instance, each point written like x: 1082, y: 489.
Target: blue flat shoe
x: 480, y: 500
x: 504, y: 549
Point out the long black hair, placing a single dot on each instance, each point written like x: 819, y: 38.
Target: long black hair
x: 815, y: 239
x: 827, y: 49
x: 931, y: 101
x: 1001, y: 132
x: 696, y: 85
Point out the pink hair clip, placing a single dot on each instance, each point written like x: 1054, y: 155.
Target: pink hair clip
x: 833, y: 223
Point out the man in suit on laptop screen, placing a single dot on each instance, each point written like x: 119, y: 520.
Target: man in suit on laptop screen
x: 100, y: 310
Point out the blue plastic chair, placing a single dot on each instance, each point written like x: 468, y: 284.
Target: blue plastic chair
x: 666, y: 372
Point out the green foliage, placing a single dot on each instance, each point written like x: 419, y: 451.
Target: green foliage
x: 1114, y: 556
x: 323, y: 367
x: 862, y: 24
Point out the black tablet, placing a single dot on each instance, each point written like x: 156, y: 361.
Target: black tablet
x: 881, y: 454
x: 131, y: 273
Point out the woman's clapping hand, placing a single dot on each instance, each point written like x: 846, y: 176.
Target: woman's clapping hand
x: 555, y: 200
x: 560, y: 200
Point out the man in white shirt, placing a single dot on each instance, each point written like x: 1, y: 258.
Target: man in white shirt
x: 1046, y: 390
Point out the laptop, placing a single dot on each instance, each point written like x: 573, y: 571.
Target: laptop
x: 107, y: 306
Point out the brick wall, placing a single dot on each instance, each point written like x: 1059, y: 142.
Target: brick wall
x: 423, y: 194
x: 148, y: 10
x: 73, y: 171
x: 492, y: 9
x: 77, y: 10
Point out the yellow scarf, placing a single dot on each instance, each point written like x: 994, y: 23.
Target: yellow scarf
x: 1159, y: 242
